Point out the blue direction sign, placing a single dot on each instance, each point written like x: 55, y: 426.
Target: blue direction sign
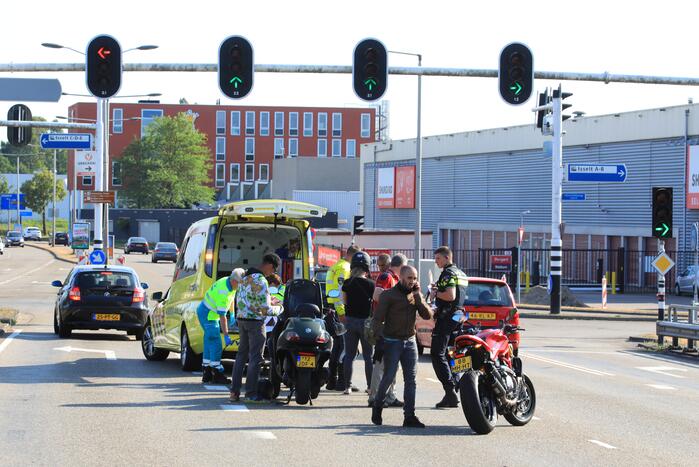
x: 9, y: 201
x: 25, y: 214
x: 97, y: 257
x: 596, y: 172
x: 66, y: 141
x: 573, y: 196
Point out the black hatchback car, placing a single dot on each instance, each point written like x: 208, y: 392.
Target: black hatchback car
x: 98, y: 297
x: 164, y: 251
x: 136, y: 244
x: 62, y: 239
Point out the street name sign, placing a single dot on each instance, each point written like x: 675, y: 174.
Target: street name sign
x: 66, y: 141
x: 573, y: 196
x: 596, y: 172
x: 30, y: 89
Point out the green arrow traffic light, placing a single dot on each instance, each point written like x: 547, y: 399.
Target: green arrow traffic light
x: 236, y: 81
x: 516, y: 88
x: 370, y: 83
x: 662, y: 229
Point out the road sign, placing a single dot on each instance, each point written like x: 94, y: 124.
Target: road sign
x: 25, y: 214
x: 66, y: 141
x: 573, y: 197
x: 30, y: 89
x: 85, y: 163
x: 9, y: 201
x: 596, y: 172
x: 99, y: 197
x: 663, y: 263
x: 97, y: 257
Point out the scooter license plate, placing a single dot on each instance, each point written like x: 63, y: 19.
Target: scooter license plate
x: 461, y: 364
x: 305, y: 361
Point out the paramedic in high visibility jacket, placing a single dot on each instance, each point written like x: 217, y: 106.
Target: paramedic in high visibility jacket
x: 275, y: 281
x: 334, y: 279
x: 211, y: 312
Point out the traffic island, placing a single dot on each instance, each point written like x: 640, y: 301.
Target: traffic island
x: 61, y: 253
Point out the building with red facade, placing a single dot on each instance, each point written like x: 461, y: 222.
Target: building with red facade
x: 243, y: 140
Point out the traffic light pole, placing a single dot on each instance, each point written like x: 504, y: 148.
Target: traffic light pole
x: 105, y: 175
x: 418, y: 173
x: 556, y: 175
x: 661, y: 290
x: 99, y: 163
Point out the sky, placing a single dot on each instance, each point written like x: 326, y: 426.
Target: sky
x: 621, y: 37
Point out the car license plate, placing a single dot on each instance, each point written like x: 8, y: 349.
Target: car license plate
x: 461, y: 364
x: 106, y: 317
x: 306, y: 361
x: 483, y: 316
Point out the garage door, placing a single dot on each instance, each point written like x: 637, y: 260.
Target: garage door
x: 150, y: 230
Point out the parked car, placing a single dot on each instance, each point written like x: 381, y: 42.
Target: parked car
x: 136, y: 244
x: 32, y: 233
x: 98, y: 297
x: 14, y: 238
x: 241, y: 234
x: 165, y: 251
x: 62, y: 239
x: 488, y: 302
x: 686, y: 281
x: 2, y: 246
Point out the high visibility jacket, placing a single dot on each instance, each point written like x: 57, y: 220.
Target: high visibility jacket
x: 336, y: 276
x: 219, y: 298
x: 280, y: 294
x: 451, y: 277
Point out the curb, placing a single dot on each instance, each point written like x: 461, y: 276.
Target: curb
x: 586, y: 318
x: 575, y: 309
x: 54, y: 254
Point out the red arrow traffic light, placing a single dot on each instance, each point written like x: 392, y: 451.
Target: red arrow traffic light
x: 103, y: 51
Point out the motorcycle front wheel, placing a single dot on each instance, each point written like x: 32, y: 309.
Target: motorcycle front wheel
x: 303, y: 386
x: 477, y: 402
x: 526, y: 403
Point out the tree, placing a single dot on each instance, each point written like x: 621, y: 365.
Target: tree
x: 38, y: 193
x: 4, y: 185
x: 169, y: 167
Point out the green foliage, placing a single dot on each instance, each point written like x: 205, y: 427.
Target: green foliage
x: 4, y: 185
x: 38, y: 193
x: 38, y: 160
x: 168, y: 167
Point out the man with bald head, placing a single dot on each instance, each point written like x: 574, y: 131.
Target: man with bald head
x: 394, y: 319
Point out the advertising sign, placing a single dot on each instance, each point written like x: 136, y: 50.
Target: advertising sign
x: 501, y: 263
x: 693, y: 177
x: 85, y: 163
x: 385, y: 188
x: 328, y: 256
x: 81, y: 237
x: 405, y: 187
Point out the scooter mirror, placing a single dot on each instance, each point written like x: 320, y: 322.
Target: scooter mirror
x: 334, y: 293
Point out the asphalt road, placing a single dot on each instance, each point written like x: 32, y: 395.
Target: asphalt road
x: 93, y: 399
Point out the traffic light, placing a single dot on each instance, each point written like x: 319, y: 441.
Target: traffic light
x: 563, y: 95
x: 540, y: 114
x: 103, y: 66
x: 370, y: 70
x: 662, y: 212
x: 235, y: 67
x: 358, y: 225
x: 516, y: 73
x: 19, y: 136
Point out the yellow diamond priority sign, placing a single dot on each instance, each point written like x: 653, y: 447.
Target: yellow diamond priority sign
x: 663, y: 263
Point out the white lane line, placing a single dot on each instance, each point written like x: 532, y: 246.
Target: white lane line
x: 600, y: 443
x: 108, y: 354
x: 663, y: 370
x: 590, y: 352
x: 570, y: 366
x: 261, y: 434
x: 212, y: 387
x: 661, y: 358
x: 433, y: 380
x: 8, y: 339
x: 234, y: 408
x: 27, y: 273
x: 662, y: 387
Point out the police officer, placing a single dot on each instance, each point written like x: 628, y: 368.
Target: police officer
x: 449, y: 294
x: 212, y: 317
x: 336, y: 276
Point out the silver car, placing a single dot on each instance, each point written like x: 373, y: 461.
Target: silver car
x: 686, y: 281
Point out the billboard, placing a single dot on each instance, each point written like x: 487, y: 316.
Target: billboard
x: 405, y: 187
x: 328, y: 256
x: 692, y: 194
x: 385, y: 189
x: 81, y: 237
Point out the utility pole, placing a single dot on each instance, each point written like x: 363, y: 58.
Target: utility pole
x: 98, y: 181
x: 556, y: 218
x: 19, y: 218
x: 53, y: 229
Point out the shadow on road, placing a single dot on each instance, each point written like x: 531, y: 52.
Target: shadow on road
x: 358, y: 430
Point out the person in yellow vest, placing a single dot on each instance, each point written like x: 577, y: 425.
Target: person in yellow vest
x: 275, y: 281
x: 212, y: 317
x: 336, y: 276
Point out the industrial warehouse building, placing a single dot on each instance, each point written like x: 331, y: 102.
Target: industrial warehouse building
x: 476, y: 185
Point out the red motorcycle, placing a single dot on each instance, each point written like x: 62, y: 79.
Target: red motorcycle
x: 490, y: 378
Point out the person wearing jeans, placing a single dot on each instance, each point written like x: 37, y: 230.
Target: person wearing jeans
x: 396, y: 314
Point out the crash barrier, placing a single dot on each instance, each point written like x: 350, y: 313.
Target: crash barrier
x: 681, y: 323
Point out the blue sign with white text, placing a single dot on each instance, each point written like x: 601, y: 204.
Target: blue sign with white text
x: 597, y: 172
x: 9, y: 201
x: 573, y: 197
x: 66, y: 141
x: 97, y: 257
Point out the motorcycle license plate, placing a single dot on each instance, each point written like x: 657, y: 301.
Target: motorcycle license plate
x: 106, y: 317
x: 483, y: 316
x: 461, y: 364
x: 305, y: 361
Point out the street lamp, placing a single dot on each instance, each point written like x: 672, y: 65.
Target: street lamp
x: 519, y: 253
x: 51, y: 45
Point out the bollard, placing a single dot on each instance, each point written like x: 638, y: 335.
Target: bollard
x: 691, y: 319
x: 604, y: 292
x: 526, y: 279
x: 613, y: 282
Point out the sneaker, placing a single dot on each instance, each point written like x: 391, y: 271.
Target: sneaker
x: 396, y: 403
x: 206, y: 375
x: 354, y: 388
x: 347, y: 391
x: 219, y: 378
x: 413, y: 422
x: 450, y: 400
x: 234, y: 397
x: 376, y: 415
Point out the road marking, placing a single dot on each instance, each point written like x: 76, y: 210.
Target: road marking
x: 262, y: 434
x: 668, y: 359
x: 662, y: 387
x: 600, y: 443
x: 570, y: 366
x: 108, y: 354
x: 663, y: 370
x: 234, y: 408
x: 8, y: 339
x: 27, y: 273
x: 212, y: 387
x: 433, y: 380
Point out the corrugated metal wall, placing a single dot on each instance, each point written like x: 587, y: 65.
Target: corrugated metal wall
x: 345, y: 203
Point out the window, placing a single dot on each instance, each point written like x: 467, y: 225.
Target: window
x: 116, y: 173
x: 220, y: 122
x: 322, y: 148
x: 351, y: 148
x: 337, y: 148
x: 192, y: 249
x: 147, y: 116
x: 249, y: 172
x: 366, y: 125
x: 264, y: 172
x: 117, y: 121
x: 235, y: 172
x: 307, y: 124
x: 249, y: 149
x: 235, y: 123
x: 250, y: 123
x: 87, y: 180
x: 264, y: 123
x: 293, y: 123
x: 337, y: 124
x: 278, y: 148
x: 220, y: 174
x: 293, y: 147
x: 220, y: 148
x: 278, y: 123
x: 322, y: 125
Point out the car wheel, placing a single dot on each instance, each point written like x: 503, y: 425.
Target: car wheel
x: 189, y: 361
x: 150, y: 351
x: 55, y: 323
x: 64, y: 330
x: 678, y: 292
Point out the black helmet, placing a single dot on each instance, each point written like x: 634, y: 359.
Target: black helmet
x: 360, y: 260
x: 307, y: 310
